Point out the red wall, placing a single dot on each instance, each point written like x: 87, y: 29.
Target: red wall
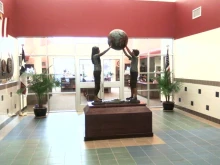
x: 99, y: 17
x: 94, y: 18
x: 186, y: 26
x: 9, y: 12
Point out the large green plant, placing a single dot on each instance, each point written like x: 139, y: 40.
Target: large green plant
x: 40, y: 84
x: 167, y: 86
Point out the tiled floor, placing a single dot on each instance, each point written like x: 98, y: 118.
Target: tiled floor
x: 179, y: 139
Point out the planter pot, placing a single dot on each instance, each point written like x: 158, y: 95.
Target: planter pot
x: 40, y: 112
x: 168, y: 106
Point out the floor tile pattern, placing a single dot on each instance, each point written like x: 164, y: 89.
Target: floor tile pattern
x: 58, y: 140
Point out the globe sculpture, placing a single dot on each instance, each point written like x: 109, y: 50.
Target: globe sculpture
x: 118, y: 39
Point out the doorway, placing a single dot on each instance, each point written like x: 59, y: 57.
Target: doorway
x: 63, y: 98
x: 111, y: 79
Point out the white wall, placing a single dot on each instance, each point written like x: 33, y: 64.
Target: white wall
x: 197, y: 57
x: 10, y: 103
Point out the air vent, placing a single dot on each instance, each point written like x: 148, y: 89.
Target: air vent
x: 197, y: 12
x: 1, y: 8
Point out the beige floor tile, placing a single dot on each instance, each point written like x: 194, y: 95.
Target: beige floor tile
x: 102, y: 145
x: 115, y: 144
x: 143, y: 143
x: 100, y: 141
x: 156, y: 140
x: 88, y: 145
x: 127, y: 140
x: 114, y: 140
x: 142, y: 139
x: 129, y: 144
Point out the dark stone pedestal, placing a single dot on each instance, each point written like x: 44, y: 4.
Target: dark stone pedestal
x: 110, y: 121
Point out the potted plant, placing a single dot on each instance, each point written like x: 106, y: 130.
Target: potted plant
x: 167, y: 88
x: 41, y: 85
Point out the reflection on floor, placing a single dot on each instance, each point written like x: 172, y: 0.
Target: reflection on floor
x: 179, y: 139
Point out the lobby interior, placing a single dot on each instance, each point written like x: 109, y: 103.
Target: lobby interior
x: 189, y: 135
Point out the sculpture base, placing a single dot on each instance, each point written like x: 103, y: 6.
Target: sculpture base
x: 110, y: 121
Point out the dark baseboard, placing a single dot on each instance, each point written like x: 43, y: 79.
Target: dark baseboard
x: 210, y: 118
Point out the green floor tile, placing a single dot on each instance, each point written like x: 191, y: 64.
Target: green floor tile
x: 108, y: 162
x: 6, y: 161
x: 143, y: 160
x: 122, y: 155
x: 91, y: 163
x: 158, y: 158
x: 184, y: 162
x: 137, y: 154
x: 174, y: 157
x: 163, y: 163
x: 173, y: 128
x: 89, y: 152
x: 21, y: 162
x: 106, y: 157
x: 38, y: 161
x: 104, y: 151
x: 119, y: 150
x: 199, y: 162
x: 129, y: 161
x: 89, y: 157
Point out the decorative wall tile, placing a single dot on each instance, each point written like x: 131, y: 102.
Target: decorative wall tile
x: 207, y: 107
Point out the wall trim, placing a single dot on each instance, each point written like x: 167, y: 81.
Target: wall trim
x: 215, y: 120
x: 201, y: 82
x: 8, y: 85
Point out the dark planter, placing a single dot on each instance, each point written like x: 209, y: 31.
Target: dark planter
x: 40, y: 112
x: 168, y: 106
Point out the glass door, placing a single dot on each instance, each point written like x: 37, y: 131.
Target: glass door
x: 111, y: 79
x: 84, y: 81
x: 62, y: 98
